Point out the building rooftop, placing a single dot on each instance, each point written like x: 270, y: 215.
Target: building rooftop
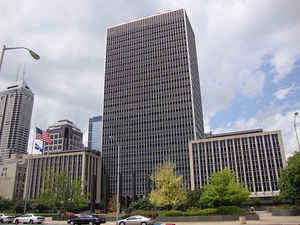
x: 64, y: 122
x: 17, y: 84
x: 146, y: 17
x: 96, y: 118
x: 211, y: 135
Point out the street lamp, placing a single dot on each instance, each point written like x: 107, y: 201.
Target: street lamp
x: 118, y: 181
x: 295, y: 126
x: 32, y: 53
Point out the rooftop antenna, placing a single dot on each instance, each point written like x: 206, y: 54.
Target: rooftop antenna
x: 24, y: 71
x: 18, y: 72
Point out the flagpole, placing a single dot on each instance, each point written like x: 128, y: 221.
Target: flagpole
x: 29, y: 171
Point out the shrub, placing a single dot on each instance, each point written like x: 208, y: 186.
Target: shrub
x: 171, y: 213
x: 200, y: 212
x: 230, y: 210
x: 141, y: 204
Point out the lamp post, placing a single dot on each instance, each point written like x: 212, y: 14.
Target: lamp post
x: 118, y: 181
x: 32, y: 53
x: 295, y: 126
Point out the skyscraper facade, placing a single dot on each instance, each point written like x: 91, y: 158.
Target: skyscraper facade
x: 95, y: 133
x: 152, y: 99
x: 16, y: 104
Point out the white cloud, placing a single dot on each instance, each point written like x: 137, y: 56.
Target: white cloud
x: 233, y: 39
x: 282, y: 93
x: 276, y: 118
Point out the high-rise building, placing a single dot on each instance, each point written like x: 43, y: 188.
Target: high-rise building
x: 64, y: 136
x: 95, y: 133
x: 16, y: 104
x: 255, y: 156
x: 152, y: 99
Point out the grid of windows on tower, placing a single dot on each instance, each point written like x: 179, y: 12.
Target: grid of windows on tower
x: 148, y: 99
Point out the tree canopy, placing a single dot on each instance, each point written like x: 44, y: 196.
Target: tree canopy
x: 289, y: 181
x: 62, y: 193
x: 169, y: 191
x: 224, y: 189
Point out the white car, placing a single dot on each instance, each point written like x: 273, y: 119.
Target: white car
x: 6, y: 218
x: 135, y: 220
x: 29, y: 218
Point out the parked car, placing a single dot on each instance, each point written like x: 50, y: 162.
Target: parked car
x: 136, y: 220
x: 6, y: 218
x: 29, y: 218
x: 86, y: 219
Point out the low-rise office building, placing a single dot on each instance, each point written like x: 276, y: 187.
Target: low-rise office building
x: 77, y: 164
x: 255, y: 156
x: 12, y: 177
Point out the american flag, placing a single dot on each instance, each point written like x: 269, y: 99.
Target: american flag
x: 43, y: 136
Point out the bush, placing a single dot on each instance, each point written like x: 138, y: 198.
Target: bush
x: 141, y: 204
x: 288, y: 207
x: 200, y: 212
x: 171, y: 213
x: 230, y: 210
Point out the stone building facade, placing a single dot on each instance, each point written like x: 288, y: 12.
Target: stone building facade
x: 255, y: 156
x: 12, y: 177
x: 78, y: 164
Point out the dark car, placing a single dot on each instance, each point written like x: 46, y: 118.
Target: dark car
x: 86, y: 219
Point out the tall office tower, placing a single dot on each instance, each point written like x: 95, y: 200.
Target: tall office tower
x: 65, y: 136
x: 95, y: 133
x: 16, y: 104
x: 152, y: 99
x: 255, y: 156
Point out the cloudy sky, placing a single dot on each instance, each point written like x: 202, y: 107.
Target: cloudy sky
x: 248, y: 57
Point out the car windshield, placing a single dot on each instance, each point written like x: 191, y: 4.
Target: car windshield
x: 7, y: 214
x: 86, y: 216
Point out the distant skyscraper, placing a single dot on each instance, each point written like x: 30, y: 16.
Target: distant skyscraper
x: 65, y: 136
x: 95, y: 133
x: 16, y: 104
x: 152, y: 99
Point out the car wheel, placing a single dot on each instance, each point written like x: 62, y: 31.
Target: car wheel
x: 143, y: 223
x: 72, y: 223
x: 91, y: 223
x: 122, y: 223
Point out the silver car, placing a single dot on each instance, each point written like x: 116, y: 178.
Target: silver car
x: 136, y: 220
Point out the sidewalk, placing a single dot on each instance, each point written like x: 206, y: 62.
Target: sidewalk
x: 266, y: 218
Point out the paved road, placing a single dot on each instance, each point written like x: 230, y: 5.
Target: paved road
x: 266, y: 218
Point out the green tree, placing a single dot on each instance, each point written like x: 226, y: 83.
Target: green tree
x: 193, y: 198
x: 112, y: 202
x: 140, y: 204
x: 6, y: 204
x: 170, y: 191
x: 289, y: 181
x: 224, y: 189
x: 62, y: 193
